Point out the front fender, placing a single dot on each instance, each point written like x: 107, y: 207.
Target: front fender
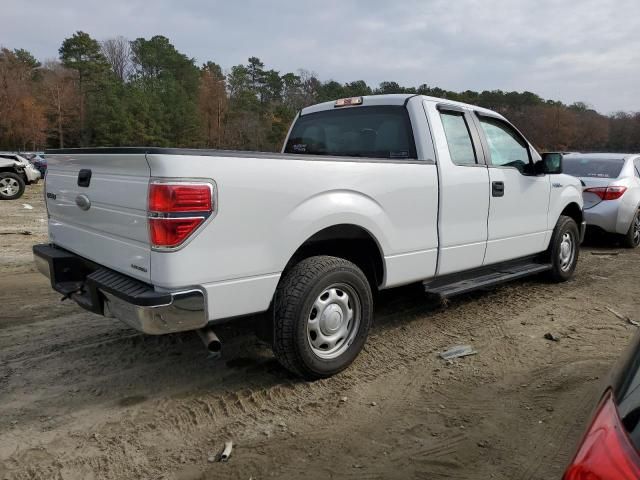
x: 565, y: 190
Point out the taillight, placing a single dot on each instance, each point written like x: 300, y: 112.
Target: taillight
x: 168, y: 197
x: 606, y: 453
x: 176, y: 210
x: 607, y: 193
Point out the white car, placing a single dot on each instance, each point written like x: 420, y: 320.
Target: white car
x: 15, y: 173
x: 369, y: 193
x: 611, y: 193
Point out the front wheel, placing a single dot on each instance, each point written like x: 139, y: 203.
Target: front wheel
x: 322, y: 314
x: 564, y: 249
x: 11, y: 186
x: 632, y: 238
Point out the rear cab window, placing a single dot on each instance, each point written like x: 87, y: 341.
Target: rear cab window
x: 592, y: 167
x: 364, y: 131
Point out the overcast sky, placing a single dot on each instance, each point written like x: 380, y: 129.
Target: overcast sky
x: 581, y: 50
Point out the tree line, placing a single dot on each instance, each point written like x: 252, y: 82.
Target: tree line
x: 144, y: 92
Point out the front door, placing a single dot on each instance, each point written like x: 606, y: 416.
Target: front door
x: 519, y: 202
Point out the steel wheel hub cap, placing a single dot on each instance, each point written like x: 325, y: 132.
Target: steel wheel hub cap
x: 9, y: 186
x: 333, y: 321
x: 567, y: 252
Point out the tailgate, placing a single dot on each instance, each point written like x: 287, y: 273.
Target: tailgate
x: 97, y: 204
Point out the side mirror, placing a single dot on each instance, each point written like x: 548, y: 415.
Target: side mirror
x: 551, y: 163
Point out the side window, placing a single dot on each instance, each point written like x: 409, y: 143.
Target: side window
x: 458, y: 138
x: 506, y: 147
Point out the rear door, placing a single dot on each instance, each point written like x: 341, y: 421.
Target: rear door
x: 464, y: 192
x: 519, y: 201
x: 97, y: 205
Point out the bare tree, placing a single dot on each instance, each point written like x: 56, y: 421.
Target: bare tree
x: 61, y: 99
x: 117, y: 51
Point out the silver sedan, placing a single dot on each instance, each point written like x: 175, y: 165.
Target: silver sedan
x: 611, y: 191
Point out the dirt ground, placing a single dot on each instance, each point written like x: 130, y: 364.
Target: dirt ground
x: 84, y: 397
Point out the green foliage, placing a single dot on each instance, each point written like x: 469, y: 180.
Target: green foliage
x: 82, y: 53
x: 25, y: 57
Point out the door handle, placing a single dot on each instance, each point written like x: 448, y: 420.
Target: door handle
x: 84, y: 177
x: 497, y: 189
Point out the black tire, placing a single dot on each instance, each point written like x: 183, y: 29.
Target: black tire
x: 563, y: 269
x: 13, y: 178
x: 304, y: 285
x: 632, y: 238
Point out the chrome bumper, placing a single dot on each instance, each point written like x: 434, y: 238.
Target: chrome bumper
x: 112, y: 294
x: 185, y: 312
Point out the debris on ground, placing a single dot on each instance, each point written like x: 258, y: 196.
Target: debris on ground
x: 26, y: 206
x: 343, y: 399
x: 457, y: 352
x: 623, y: 317
x: 23, y: 232
x: 617, y: 314
x: 552, y: 337
x: 226, y: 453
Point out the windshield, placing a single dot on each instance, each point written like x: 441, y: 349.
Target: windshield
x: 378, y: 132
x: 592, y: 167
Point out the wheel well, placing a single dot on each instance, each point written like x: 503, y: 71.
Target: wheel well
x: 574, y: 211
x: 350, y: 242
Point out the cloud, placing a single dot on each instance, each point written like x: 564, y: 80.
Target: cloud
x: 587, y: 51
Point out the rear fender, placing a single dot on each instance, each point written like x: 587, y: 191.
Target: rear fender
x: 336, y: 207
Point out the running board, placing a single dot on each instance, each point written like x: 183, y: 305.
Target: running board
x: 460, y: 283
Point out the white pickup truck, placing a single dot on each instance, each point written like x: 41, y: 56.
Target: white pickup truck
x: 368, y: 193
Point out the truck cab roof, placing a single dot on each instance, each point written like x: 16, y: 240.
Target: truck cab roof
x: 394, y: 99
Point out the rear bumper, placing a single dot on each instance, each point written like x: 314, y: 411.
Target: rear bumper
x: 611, y: 216
x: 112, y: 294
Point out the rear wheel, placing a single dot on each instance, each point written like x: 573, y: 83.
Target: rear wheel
x: 322, y: 315
x: 11, y: 186
x: 632, y: 238
x: 564, y: 249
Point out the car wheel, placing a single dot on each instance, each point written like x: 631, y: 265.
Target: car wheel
x: 323, y: 310
x: 564, y: 249
x: 11, y: 186
x: 632, y: 237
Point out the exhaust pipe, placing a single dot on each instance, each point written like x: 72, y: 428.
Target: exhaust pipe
x: 211, y: 341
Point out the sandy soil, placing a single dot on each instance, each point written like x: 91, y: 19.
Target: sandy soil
x: 83, y: 397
